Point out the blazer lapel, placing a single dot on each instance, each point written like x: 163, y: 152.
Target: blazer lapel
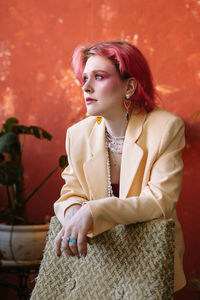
x: 95, y: 168
x: 132, y: 153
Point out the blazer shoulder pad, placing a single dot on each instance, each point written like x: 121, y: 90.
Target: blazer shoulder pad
x: 84, y: 126
x: 161, y: 117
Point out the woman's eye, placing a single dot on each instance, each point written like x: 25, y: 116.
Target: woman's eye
x: 84, y: 79
x: 98, y: 76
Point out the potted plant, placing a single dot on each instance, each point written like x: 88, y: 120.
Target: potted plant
x: 14, y: 224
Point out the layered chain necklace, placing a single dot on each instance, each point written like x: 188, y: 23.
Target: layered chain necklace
x: 115, y: 144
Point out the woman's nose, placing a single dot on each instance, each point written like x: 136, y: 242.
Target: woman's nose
x: 87, y: 87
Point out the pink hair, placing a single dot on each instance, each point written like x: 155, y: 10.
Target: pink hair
x: 129, y: 62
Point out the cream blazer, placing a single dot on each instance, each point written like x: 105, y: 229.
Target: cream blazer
x: 150, y: 177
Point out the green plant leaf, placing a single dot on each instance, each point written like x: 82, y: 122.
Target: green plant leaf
x: 36, y: 131
x: 11, y: 125
x: 9, y: 142
x: 63, y: 161
x: 21, y: 129
x: 46, y: 135
x: 8, y: 124
x: 10, y: 172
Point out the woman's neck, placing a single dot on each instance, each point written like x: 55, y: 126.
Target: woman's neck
x: 116, y: 127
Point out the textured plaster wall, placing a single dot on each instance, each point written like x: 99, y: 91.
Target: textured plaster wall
x: 37, y: 85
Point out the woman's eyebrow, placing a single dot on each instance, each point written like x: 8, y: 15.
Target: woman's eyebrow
x: 96, y: 71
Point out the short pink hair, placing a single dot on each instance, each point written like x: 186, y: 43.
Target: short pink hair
x: 129, y: 62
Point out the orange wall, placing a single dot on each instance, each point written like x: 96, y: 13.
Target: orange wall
x: 37, y: 84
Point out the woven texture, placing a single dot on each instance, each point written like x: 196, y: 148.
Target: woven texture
x: 129, y: 262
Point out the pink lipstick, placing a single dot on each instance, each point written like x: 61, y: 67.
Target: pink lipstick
x: 90, y: 100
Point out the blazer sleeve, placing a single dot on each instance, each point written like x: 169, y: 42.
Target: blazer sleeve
x: 158, y: 198
x: 71, y: 192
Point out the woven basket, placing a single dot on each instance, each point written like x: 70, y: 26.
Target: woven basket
x: 129, y: 262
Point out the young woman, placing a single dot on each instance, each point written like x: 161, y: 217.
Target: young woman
x: 125, y: 161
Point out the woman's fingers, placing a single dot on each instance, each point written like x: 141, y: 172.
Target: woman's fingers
x: 75, y: 246
x: 73, y: 236
x: 65, y: 245
x: 72, y: 243
x: 82, y: 245
x: 71, y: 246
x: 57, y: 243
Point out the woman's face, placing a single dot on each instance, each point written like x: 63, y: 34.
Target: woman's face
x: 104, y: 91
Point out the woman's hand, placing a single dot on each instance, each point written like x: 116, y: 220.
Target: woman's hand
x: 78, y: 221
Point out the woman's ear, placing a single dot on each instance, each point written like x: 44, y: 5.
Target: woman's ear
x: 131, y: 86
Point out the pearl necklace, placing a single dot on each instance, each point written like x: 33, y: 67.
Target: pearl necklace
x: 113, y: 146
x: 110, y: 190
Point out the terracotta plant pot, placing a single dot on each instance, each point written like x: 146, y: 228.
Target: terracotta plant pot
x: 22, y: 244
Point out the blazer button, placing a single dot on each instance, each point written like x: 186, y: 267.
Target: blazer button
x: 70, y: 285
x: 119, y: 293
